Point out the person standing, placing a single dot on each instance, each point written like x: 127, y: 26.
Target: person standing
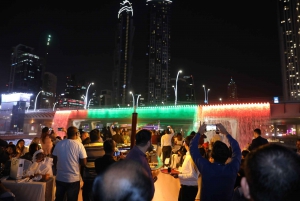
x: 258, y: 140
x: 85, y: 138
x: 218, y: 178
x: 188, y: 176
x: 68, y: 156
x: 166, y: 144
x: 137, y: 153
x: 46, y: 141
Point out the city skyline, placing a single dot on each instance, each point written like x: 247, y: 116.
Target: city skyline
x: 212, y: 41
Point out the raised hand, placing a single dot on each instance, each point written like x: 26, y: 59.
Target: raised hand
x: 202, y: 129
x: 222, y: 128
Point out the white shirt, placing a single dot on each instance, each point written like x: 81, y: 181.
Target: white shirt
x: 69, y: 152
x: 189, y: 172
x: 166, y: 139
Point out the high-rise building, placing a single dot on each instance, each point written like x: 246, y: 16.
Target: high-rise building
x: 74, y: 94
x: 289, y: 40
x: 26, y: 71
x: 49, y: 90
x: 158, y: 51
x: 232, y: 90
x: 185, y: 90
x: 123, y: 55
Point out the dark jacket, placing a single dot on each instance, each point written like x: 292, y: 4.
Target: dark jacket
x: 257, y: 142
x: 217, y: 179
x: 102, y: 163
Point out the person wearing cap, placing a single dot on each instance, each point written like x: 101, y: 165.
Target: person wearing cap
x: 138, y: 153
x: 41, y: 165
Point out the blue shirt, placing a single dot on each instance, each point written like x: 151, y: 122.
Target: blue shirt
x: 217, y: 179
x: 137, y: 155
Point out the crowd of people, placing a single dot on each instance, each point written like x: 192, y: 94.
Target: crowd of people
x: 206, y: 170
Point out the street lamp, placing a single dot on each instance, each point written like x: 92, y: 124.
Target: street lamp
x: 86, y: 95
x: 132, y: 99
x: 205, y: 94
x: 180, y: 71
x: 54, y: 105
x: 137, y: 101
x: 89, y: 103
x: 220, y: 100
x: 36, y: 99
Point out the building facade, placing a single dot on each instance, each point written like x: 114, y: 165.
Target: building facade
x: 74, y: 94
x: 26, y: 71
x: 122, y: 73
x: 48, y: 96
x: 289, y: 30
x: 158, y: 51
x: 232, y: 91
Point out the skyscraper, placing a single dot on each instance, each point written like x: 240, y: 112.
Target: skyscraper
x: 73, y: 96
x: 26, y: 70
x: 123, y: 55
x: 289, y: 30
x: 48, y: 95
x: 232, y: 90
x: 158, y: 51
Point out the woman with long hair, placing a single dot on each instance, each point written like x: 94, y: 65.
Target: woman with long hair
x: 20, y: 148
x: 46, y: 141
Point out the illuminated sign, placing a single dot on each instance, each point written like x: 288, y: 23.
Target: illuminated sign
x: 125, y: 6
x: 276, y: 99
x: 6, y: 98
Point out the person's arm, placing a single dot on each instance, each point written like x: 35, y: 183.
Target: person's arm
x: 162, y: 141
x: 111, y: 130
x: 54, y: 161
x: 195, y: 153
x: 189, y: 172
x: 172, y: 131
x: 83, y: 161
x: 252, y: 145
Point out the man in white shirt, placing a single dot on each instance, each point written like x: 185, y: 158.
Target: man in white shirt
x: 68, y: 155
x: 188, y: 176
x: 166, y: 144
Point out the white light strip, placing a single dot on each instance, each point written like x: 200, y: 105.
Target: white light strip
x: 126, y: 8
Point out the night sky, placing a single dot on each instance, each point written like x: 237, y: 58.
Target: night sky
x: 211, y: 40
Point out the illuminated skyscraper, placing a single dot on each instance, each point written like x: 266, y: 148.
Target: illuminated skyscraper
x: 26, y: 71
x: 123, y: 55
x: 232, y: 90
x: 289, y: 40
x: 158, y: 51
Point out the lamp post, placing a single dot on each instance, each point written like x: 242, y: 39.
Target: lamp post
x: 137, y: 101
x: 89, y: 104
x: 205, y: 94
x: 134, y: 120
x: 54, y: 105
x: 86, y: 95
x: 220, y: 100
x: 180, y: 71
x: 132, y: 101
x: 36, y: 99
